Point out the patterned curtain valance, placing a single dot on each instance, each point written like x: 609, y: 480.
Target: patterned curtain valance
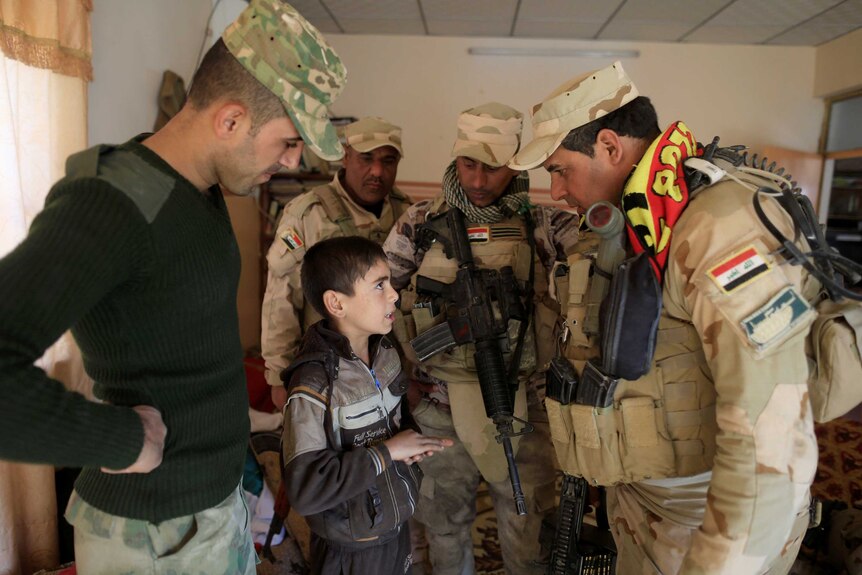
x: 52, y: 34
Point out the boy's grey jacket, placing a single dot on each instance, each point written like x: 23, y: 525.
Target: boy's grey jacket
x: 338, y: 473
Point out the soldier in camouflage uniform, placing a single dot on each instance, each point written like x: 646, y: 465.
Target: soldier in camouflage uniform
x: 360, y: 200
x: 708, y: 458
x: 143, y: 227
x: 492, y: 198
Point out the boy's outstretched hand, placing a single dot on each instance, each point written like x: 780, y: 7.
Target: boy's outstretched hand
x: 410, y: 447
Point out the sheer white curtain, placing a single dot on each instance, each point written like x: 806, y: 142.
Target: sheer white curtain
x: 44, y: 69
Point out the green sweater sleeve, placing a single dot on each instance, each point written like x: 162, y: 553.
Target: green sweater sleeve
x: 90, y: 239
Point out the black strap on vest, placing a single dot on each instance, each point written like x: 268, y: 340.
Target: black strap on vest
x: 822, y: 261
x: 335, y: 209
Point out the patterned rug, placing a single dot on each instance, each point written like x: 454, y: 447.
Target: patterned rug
x: 839, y: 471
x: 839, y: 478
x: 486, y: 546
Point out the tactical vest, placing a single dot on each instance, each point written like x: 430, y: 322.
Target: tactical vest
x: 337, y: 212
x: 494, y: 246
x: 661, y: 425
x: 333, y: 206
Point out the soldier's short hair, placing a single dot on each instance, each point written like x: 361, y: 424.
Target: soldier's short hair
x: 336, y: 264
x: 221, y: 76
x: 637, y: 119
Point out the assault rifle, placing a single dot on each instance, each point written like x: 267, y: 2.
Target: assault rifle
x: 478, y: 306
x: 577, y: 547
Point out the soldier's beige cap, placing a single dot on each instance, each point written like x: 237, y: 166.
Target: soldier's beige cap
x: 577, y: 102
x: 490, y: 133
x: 290, y: 57
x: 370, y: 133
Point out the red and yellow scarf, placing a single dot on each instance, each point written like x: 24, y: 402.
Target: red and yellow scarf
x: 656, y: 194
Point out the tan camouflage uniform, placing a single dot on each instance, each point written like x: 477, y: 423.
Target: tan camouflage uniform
x: 305, y: 221
x: 447, y: 505
x: 765, y: 450
x: 709, y: 457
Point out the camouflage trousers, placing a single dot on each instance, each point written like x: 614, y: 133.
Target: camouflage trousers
x: 648, y: 544
x: 215, y: 540
x: 447, y: 498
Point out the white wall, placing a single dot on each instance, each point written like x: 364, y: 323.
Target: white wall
x: 134, y: 42
x: 755, y: 95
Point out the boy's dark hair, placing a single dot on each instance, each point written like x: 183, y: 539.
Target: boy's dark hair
x: 220, y: 75
x: 336, y: 264
x: 637, y: 119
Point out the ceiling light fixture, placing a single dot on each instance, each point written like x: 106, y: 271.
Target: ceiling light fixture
x: 553, y: 52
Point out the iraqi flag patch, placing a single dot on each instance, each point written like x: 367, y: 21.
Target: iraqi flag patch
x: 479, y: 233
x: 739, y: 269
x: 292, y: 239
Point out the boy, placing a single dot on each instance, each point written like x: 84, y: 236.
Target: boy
x: 349, y: 442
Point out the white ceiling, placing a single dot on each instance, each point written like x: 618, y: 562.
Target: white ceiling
x: 768, y: 22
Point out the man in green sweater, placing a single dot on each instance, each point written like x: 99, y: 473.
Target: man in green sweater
x: 135, y: 253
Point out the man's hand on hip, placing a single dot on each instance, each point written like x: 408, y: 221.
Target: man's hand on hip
x: 154, y: 442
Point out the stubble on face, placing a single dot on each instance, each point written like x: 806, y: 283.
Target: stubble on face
x: 277, y: 143
x: 370, y: 176
x: 482, y: 184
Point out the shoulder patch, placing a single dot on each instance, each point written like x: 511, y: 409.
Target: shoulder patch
x: 779, y: 316
x: 148, y: 187
x: 751, y: 294
x: 479, y: 234
x: 291, y: 238
x: 504, y: 231
x: 739, y: 269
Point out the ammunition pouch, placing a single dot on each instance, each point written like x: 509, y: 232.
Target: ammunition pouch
x: 629, y: 319
x: 660, y: 425
x: 561, y: 381
x: 835, y: 384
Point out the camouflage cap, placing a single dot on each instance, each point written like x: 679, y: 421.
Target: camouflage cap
x: 370, y: 133
x: 577, y: 102
x: 490, y: 133
x: 290, y: 57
